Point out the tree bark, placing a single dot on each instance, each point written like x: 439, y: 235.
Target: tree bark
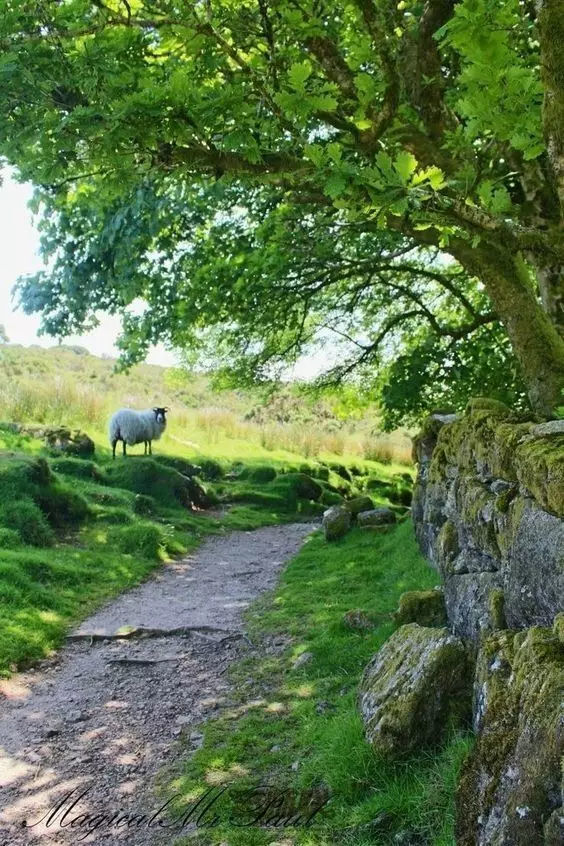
x: 535, y: 340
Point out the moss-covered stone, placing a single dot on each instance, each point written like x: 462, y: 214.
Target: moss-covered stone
x: 558, y: 626
x: 425, y: 607
x: 496, y: 603
x: 540, y: 469
x: 358, y: 504
x: 413, y: 689
x: 511, y: 782
x: 336, y: 522
x: 376, y: 517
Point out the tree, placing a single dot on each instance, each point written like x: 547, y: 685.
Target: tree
x: 411, y: 127
x: 3, y: 336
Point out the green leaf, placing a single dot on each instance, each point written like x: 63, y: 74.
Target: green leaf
x: 405, y: 165
x: 335, y: 185
x: 299, y: 73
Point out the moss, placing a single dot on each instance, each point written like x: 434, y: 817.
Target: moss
x: 414, y: 687
x: 496, y: 606
x: 358, y: 504
x: 331, y: 498
x: 81, y: 468
x: 540, y: 468
x: 488, y: 404
x: 425, y: 607
x: 558, y: 626
x: 516, y: 761
x: 261, y: 474
x: 147, y: 476
x: 447, y: 546
x: 504, y: 499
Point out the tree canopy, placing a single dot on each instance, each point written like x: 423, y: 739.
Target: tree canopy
x: 268, y: 173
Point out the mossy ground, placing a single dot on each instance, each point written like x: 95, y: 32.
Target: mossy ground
x: 305, y: 732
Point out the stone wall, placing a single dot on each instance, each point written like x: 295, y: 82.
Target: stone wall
x: 488, y: 512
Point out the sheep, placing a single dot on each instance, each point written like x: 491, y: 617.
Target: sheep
x: 135, y: 427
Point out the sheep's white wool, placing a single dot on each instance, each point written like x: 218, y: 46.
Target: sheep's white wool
x: 135, y: 427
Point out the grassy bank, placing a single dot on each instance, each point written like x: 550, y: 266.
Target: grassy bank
x: 76, y: 532
x: 298, y: 729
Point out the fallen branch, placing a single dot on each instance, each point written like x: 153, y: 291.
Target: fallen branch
x: 141, y: 632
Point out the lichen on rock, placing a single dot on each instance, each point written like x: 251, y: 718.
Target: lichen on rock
x: 425, y: 607
x: 510, y: 791
x: 413, y: 688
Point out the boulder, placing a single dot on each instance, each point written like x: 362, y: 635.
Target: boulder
x: 336, y: 522
x: 376, y: 517
x: 417, y: 684
x: 426, y: 607
x: 358, y: 504
x: 510, y: 789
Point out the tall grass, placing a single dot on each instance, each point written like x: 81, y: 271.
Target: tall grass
x: 64, y: 388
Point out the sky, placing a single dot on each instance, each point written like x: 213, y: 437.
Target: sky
x: 19, y: 244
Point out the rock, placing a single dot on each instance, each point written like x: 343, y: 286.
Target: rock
x: 376, y: 517
x: 61, y: 439
x: 426, y: 607
x: 417, y: 683
x: 302, y: 660
x: 358, y: 504
x: 553, y: 427
x: 511, y: 783
x: 336, y: 522
x: 357, y: 619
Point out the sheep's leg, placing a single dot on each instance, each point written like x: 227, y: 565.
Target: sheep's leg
x: 124, y: 452
x: 114, y: 442
x: 145, y: 445
x: 150, y: 448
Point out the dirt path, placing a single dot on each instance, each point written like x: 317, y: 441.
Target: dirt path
x: 105, y: 714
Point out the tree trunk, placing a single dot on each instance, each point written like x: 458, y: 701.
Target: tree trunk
x: 535, y: 340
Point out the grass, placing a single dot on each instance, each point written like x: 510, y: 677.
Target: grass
x: 66, y: 385
x: 298, y: 729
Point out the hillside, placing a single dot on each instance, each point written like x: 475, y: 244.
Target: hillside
x: 67, y: 385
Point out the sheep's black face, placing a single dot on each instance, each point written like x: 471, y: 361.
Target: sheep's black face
x: 160, y: 414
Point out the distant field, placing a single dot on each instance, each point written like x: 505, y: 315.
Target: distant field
x: 67, y: 385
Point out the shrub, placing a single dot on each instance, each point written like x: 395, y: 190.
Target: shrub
x: 144, y: 539
x: 261, y: 474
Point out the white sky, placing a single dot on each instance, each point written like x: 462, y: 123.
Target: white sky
x: 19, y: 245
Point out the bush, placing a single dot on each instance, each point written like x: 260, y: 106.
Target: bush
x: 27, y: 519
x: 262, y: 474
x: 144, y: 539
